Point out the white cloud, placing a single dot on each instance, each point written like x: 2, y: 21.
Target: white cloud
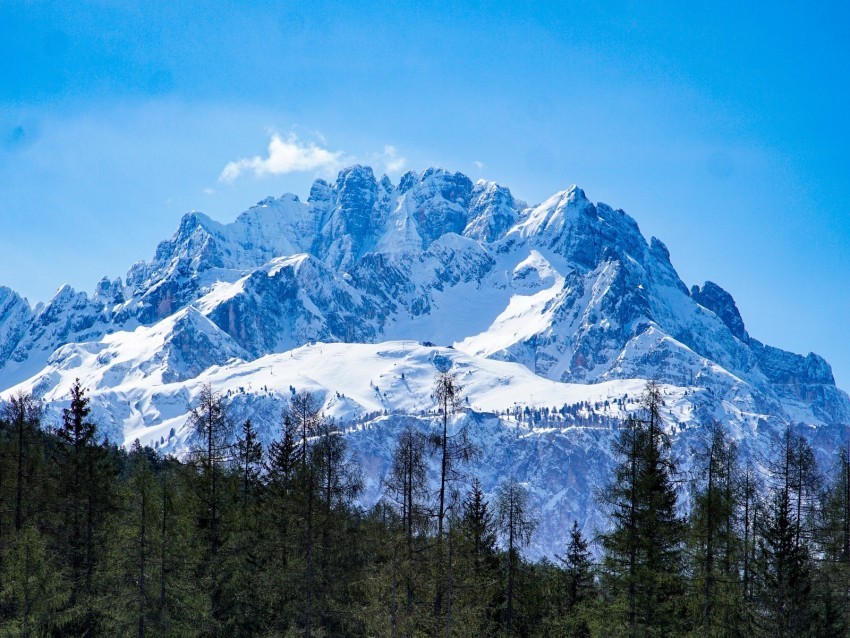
x: 209, y: 191
x: 478, y: 165
x: 287, y: 155
x: 392, y: 161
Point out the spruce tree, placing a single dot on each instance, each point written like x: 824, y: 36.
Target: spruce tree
x: 642, y: 567
x: 578, y: 572
x: 715, y: 545
x: 86, y: 480
x: 282, y: 464
x: 477, y: 575
x: 784, y: 594
x: 34, y: 591
x: 22, y: 415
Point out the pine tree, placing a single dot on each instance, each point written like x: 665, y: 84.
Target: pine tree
x: 642, y: 569
x: 241, y: 560
x: 33, y: 589
x: 578, y: 571
x: 475, y: 590
x: 23, y: 416
x: 86, y: 477
x: 282, y: 464
x: 210, y: 451
x: 716, y: 549
x: 784, y: 551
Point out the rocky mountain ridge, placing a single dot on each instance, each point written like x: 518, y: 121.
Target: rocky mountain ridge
x: 568, y: 290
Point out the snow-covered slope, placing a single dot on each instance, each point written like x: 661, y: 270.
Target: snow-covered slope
x: 560, y: 305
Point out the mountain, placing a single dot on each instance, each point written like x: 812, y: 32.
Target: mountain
x: 563, y: 308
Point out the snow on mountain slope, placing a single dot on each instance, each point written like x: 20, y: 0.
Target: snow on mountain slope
x: 368, y: 389
x: 564, y: 302
x: 15, y: 315
x: 372, y: 390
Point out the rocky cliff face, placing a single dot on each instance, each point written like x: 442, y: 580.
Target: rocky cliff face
x: 568, y: 291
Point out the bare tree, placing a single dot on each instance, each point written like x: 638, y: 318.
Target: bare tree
x: 212, y: 449
x: 453, y: 450
x: 516, y: 526
x: 407, y: 486
x: 304, y: 413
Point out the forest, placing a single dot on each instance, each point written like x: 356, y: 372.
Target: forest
x: 240, y: 539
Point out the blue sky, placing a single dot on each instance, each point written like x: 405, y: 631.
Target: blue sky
x: 722, y: 129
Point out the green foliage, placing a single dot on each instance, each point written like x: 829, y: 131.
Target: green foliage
x: 246, y: 540
x: 643, y: 570
x: 33, y: 592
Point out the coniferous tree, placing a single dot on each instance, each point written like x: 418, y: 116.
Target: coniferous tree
x: 242, y: 560
x: 130, y: 579
x: 642, y: 568
x: 338, y: 483
x: 282, y: 465
x: 182, y: 608
x: 832, y: 579
x: 752, y: 506
x: 22, y: 414
x: 304, y: 411
x: 478, y: 525
x: 453, y: 451
x: 407, y: 489
x: 448, y: 399
x: 34, y: 591
x: 477, y: 589
x: 784, y: 595
x: 516, y: 525
x: 86, y: 481
x: 579, y: 589
x: 248, y: 461
x: 716, y: 550
x: 211, y: 451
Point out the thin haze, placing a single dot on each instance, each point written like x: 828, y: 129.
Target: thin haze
x: 723, y: 129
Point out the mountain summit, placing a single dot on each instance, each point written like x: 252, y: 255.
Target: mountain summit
x: 559, y: 310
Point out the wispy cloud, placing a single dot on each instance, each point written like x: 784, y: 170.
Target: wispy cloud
x: 478, y: 165
x: 285, y: 155
x: 393, y: 162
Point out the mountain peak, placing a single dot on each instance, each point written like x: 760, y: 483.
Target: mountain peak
x: 562, y: 305
x: 721, y: 303
x: 354, y: 174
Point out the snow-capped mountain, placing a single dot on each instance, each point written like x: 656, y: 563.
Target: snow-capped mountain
x: 564, y: 307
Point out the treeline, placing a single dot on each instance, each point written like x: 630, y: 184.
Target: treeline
x: 240, y: 539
